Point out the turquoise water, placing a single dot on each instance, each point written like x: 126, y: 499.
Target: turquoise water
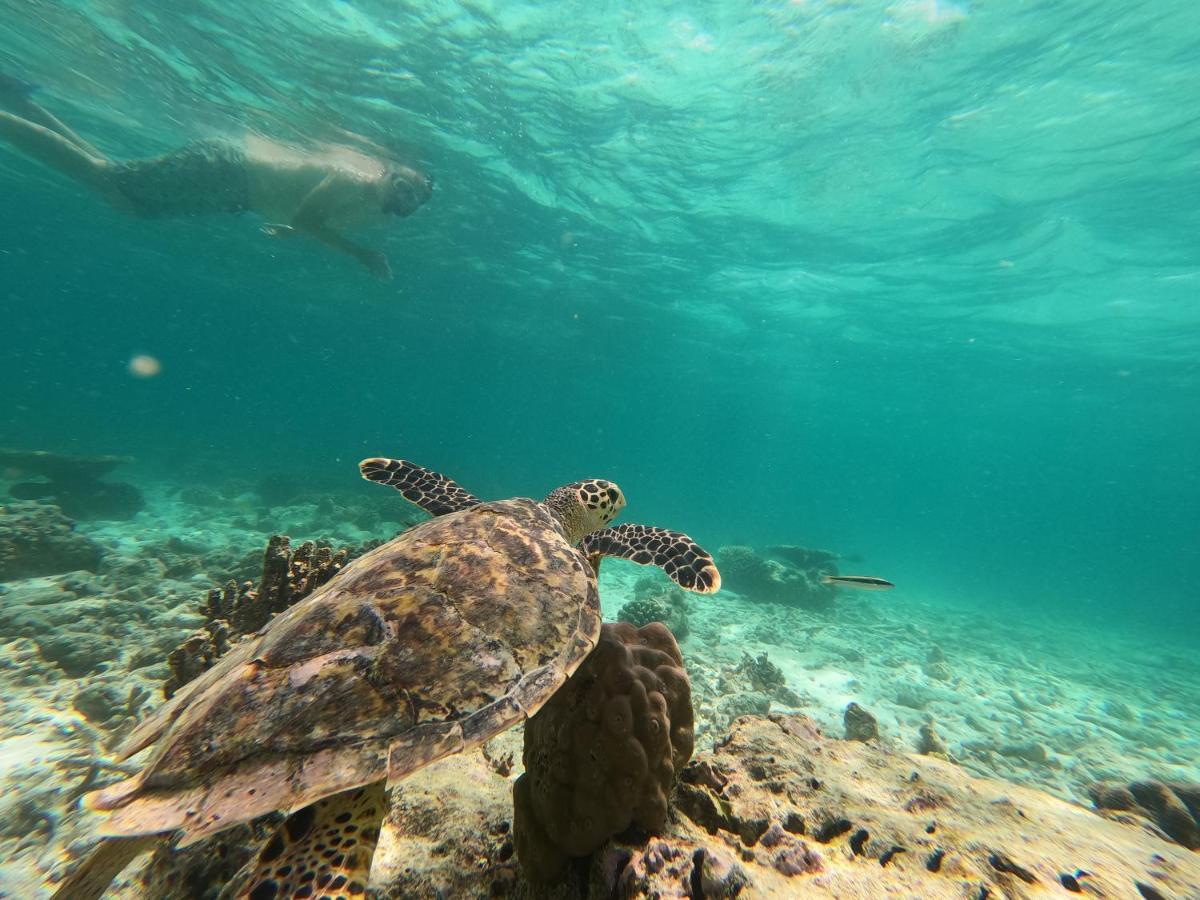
x: 913, y: 280
x: 916, y: 279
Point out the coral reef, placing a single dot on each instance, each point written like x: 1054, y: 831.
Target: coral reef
x: 603, y: 753
x: 234, y: 610
x: 777, y: 810
x: 36, y: 539
x: 656, y: 601
x: 770, y: 581
x: 73, y: 483
x: 1173, y: 806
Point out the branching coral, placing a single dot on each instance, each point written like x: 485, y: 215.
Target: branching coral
x: 236, y: 610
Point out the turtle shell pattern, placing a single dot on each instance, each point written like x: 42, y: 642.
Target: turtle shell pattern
x: 427, y: 645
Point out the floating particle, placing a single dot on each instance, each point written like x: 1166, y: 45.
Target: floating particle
x: 143, y: 366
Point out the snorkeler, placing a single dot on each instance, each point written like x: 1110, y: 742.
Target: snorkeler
x: 316, y: 194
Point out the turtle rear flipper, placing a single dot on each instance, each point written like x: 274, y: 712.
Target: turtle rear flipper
x: 686, y: 563
x: 433, y: 492
x: 92, y: 878
x: 322, y: 851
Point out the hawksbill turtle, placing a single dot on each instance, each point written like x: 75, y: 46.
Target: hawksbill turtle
x: 428, y: 645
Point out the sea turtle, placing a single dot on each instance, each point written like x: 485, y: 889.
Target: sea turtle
x: 430, y: 644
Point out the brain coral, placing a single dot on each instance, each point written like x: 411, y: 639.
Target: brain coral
x: 602, y: 755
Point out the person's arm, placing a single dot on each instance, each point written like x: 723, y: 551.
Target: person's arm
x: 315, y: 210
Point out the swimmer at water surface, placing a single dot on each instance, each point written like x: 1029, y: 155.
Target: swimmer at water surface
x: 317, y: 194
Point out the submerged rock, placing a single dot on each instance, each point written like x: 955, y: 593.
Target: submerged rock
x: 929, y: 742
x: 764, y: 580
x: 1172, y: 806
x: 73, y: 483
x: 37, y: 539
x: 860, y: 724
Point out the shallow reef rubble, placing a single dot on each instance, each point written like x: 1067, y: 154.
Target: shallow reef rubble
x: 793, y: 580
x: 74, y: 483
x: 86, y: 625
x: 285, y: 503
x: 778, y: 810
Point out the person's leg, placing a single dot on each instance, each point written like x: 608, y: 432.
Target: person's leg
x: 17, y: 97
x: 56, y: 151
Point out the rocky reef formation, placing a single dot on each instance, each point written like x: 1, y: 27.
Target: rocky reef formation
x: 764, y: 580
x: 82, y: 624
x: 72, y: 483
x: 37, y: 539
x: 1173, y: 807
x: 858, y: 819
x: 778, y: 810
x: 236, y: 610
x: 657, y: 601
x: 603, y: 753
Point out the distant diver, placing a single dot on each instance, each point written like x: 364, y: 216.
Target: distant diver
x: 313, y: 193
x: 861, y: 582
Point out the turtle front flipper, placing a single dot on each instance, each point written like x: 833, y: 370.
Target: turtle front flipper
x: 434, y: 493
x: 322, y: 851
x: 686, y: 563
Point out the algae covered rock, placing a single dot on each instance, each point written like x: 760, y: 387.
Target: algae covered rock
x: 37, y: 539
x: 860, y: 725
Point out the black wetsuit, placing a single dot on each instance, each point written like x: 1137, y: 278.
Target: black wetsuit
x: 200, y: 178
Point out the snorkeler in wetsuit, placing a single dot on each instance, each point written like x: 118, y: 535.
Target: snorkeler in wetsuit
x: 298, y: 192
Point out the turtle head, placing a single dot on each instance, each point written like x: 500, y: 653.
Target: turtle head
x: 585, y: 506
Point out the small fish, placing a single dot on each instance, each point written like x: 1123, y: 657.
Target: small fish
x: 862, y: 582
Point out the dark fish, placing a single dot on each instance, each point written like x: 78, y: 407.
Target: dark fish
x: 862, y: 582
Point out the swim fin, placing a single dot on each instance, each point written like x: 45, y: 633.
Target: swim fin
x: 13, y: 88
